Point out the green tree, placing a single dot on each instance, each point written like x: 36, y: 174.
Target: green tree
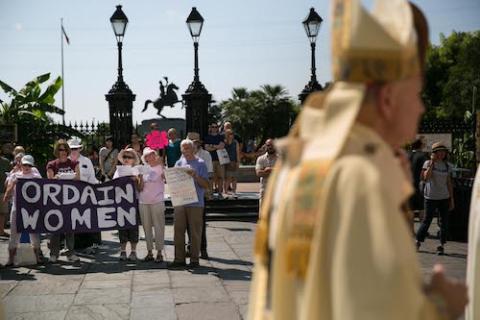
x: 30, y: 108
x: 260, y: 114
x: 452, y: 73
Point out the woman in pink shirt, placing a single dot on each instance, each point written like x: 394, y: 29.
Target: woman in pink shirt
x: 151, y: 201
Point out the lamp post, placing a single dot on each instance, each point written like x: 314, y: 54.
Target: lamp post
x: 311, y: 24
x: 196, y: 98
x: 120, y: 98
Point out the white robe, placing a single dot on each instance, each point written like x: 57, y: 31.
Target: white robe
x: 363, y: 264
x: 473, y: 261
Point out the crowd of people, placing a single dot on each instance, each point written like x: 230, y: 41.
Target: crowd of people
x: 212, y: 180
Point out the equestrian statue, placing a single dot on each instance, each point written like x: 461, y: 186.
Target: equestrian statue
x: 165, y: 99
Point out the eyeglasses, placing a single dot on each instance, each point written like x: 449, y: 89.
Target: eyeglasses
x: 74, y: 149
x: 61, y: 149
x: 127, y: 157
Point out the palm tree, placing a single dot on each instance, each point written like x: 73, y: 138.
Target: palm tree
x: 278, y: 111
x: 29, y: 109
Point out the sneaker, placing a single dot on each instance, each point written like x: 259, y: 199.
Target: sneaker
x: 194, y: 265
x: 132, y: 256
x: 176, y: 265
x: 73, y: 258
x: 440, y: 251
x: 123, y: 256
x: 149, y: 257
x: 53, y: 259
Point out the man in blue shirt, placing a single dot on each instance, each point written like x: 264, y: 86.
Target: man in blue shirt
x: 191, y: 214
x: 215, y: 141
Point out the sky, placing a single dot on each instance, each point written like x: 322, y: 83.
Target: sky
x: 245, y: 43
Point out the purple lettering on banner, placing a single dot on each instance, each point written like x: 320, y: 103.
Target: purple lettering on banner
x: 60, y: 206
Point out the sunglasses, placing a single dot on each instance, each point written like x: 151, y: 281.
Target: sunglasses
x: 127, y: 157
x: 62, y: 149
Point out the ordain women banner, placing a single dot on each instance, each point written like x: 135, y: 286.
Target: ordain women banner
x: 60, y: 206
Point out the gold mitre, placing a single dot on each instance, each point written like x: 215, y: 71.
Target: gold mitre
x: 388, y: 44
x: 385, y: 45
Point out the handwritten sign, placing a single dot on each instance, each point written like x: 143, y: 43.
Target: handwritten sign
x: 59, y: 206
x: 180, y: 186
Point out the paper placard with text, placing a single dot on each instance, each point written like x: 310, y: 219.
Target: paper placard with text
x: 180, y: 186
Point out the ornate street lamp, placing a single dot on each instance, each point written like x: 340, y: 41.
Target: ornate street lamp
x: 120, y: 98
x: 196, y: 98
x: 312, y: 25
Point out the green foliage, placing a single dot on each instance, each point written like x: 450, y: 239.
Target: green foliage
x: 29, y: 108
x: 462, y: 154
x: 260, y: 114
x: 452, y: 72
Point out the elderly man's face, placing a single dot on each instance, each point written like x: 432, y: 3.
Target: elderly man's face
x: 187, y: 150
x: 400, y: 107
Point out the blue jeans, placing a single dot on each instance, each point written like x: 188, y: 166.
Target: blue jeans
x: 431, y: 206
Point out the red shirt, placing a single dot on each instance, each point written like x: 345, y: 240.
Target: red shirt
x: 62, y: 167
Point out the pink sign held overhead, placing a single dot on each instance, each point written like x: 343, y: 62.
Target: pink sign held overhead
x: 156, y: 139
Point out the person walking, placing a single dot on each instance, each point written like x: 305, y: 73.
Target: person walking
x: 438, y: 194
x: 63, y: 168
x: 152, y: 205
x: 190, y: 214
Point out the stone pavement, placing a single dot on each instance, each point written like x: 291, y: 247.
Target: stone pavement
x: 104, y: 288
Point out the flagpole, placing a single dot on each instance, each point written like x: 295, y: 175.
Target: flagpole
x: 63, y: 77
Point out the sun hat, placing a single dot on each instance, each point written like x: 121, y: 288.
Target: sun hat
x: 130, y: 150
x: 439, y: 146
x: 146, y: 152
x: 75, y: 143
x: 28, y: 159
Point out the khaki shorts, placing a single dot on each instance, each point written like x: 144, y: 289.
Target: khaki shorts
x: 218, y: 170
x: 3, y: 206
x: 231, y: 170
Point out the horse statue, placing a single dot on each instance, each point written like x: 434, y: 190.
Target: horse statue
x: 165, y: 99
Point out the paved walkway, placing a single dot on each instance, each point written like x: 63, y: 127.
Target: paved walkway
x: 104, y: 288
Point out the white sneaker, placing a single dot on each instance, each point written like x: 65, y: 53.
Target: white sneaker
x: 53, y: 259
x: 73, y: 258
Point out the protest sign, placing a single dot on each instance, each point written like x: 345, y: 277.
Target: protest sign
x: 180, y: 186
x: 60, y: 206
